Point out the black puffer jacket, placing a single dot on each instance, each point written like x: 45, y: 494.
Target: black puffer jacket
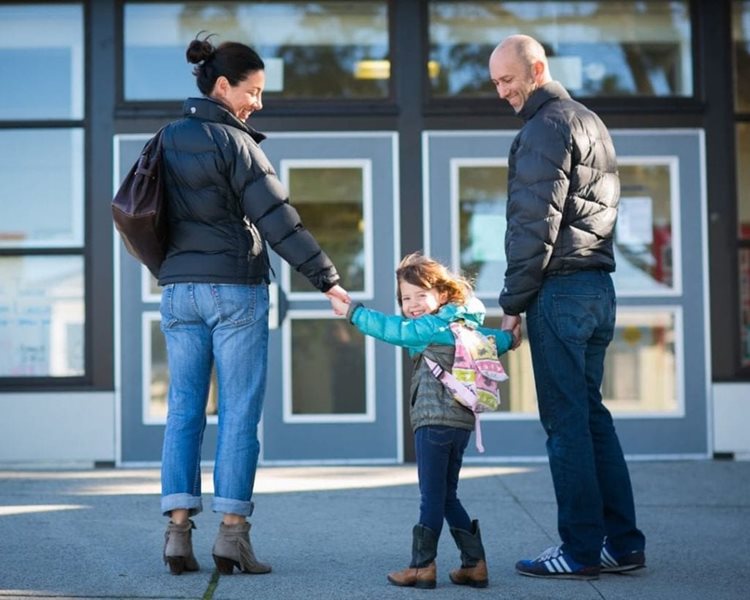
x: 563, y: 192
x: 225, y: 202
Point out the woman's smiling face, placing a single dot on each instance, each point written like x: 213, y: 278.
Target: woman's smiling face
x: 244, y: 98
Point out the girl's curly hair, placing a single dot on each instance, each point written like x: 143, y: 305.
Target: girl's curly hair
x: 428, y: 274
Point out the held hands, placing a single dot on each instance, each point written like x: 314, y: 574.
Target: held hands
x: 512, y: 323
x: 340, y: 300
x: 340, y: 307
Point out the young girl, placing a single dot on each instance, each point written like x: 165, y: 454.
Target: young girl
x: 431, y: 297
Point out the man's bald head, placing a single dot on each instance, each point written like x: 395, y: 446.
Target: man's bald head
x: 525, y: 49
x: 518, y: 66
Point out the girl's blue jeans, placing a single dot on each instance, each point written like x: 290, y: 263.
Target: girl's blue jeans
x: 570, y: 324
x: 440, y: 452
x: 225, y: 325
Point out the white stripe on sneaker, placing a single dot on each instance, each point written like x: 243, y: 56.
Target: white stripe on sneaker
x: 607, y: 559
x: 560, y: 566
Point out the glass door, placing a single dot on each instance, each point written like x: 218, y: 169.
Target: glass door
x: 657, y: 371
x: 332, y: 395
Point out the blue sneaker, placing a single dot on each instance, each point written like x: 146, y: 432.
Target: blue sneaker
x: 618, y: 562
x: 554, y: 563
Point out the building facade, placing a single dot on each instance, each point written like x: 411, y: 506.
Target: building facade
x: 383, y: 124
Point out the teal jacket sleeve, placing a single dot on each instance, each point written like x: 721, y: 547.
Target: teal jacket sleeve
x: 414, y: 334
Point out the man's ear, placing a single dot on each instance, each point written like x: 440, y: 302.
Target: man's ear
x: 538, y: 70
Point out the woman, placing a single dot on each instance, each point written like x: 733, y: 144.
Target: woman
x: 224, y: 203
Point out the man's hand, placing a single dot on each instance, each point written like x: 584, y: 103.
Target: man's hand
x: 512, y: 323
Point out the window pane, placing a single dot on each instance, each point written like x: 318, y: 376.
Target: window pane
x: 330, y: 201
x: 41, y: 316
x: 743, y: 180
x: 311, y: 49
x: 41, y: 53
x: 595, y: 48
x: 643, y: 243
x: 744, y: 261
x: 482, y: 197
x: 330, y: 381
x: 41, y: 184
x: 741, y: 38
x: 158, y: 379
x: 643, y: 238
x: 640, y: 372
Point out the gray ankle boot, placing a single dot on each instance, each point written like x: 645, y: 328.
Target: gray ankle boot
x: 473, y: 571
x: 232, y: 549
x: 178, y: 547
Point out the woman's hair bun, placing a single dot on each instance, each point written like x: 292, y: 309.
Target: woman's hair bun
x: 199, y: 50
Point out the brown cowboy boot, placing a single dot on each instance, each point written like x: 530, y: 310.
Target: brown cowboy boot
x: 232, y: 549
x: 422, y: 572
x: 178, y: 547
x: 473, y: 571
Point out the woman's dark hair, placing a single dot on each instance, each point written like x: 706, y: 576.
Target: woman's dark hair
x: 233, y: 60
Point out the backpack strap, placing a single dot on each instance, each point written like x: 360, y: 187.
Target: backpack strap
x: 468, y: 399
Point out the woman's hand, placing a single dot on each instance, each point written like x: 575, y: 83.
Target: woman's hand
x: 340, y: 300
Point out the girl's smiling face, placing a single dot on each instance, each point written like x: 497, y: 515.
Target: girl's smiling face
x: 417, y: 301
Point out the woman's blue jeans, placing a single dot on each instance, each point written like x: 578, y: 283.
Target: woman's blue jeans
x: 440, y: 452
x: 570, y: 324
x: 207, y: 324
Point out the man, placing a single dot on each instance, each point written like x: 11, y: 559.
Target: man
x: 563, y: 192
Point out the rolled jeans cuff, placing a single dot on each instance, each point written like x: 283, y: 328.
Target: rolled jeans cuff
x: 236, y: 507
x: 192, y: 504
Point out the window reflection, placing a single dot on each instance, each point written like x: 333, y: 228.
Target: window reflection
x: 327, y: 49
x: 741, y: 39
x: 42, y: 316
x: 41, y: 49
x: 744, y: 276
x: 330, y: 382
x: 643, y: 237
x: 330, y: 201
x: 41, y: 183
x: 640, y: 371
x: 595, y: 48
x: 482, y: 197
x: 743, y: 180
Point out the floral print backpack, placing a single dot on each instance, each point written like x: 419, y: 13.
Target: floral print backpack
x: 476, y: 373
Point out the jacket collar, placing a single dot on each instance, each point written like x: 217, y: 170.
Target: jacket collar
x: 211, y: 110
x: 552, y: 90
x: 472, y: 312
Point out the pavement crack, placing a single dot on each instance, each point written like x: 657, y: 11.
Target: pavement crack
x: 212, y: 585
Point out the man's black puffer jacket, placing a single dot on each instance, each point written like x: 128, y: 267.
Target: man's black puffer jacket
x: 225, y: 202
x: 563, y: 192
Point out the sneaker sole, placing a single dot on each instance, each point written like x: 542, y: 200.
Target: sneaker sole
x: 622, y: 569
x: 558, y: 576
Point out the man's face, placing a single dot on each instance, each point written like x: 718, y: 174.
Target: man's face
x: 513, y: 80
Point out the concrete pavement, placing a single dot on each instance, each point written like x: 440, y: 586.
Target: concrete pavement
x: 334, y: 532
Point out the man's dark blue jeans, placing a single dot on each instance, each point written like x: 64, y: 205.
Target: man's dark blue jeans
x: 440, y: 452
x: 570, y: 324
